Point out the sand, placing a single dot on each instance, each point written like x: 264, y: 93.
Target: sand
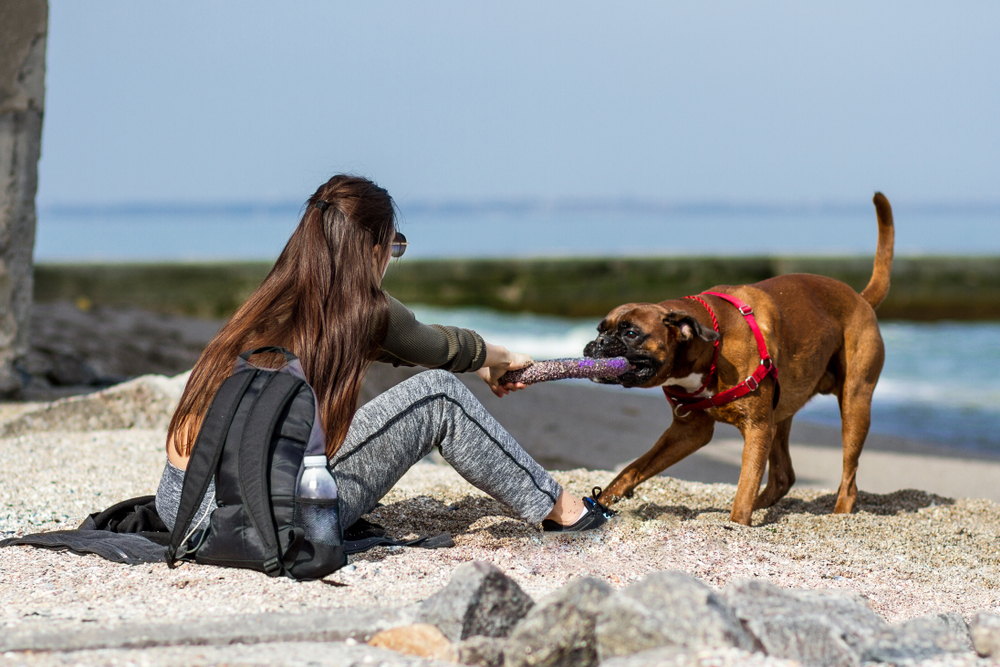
x: 923, y: 538
x: 909, y: 552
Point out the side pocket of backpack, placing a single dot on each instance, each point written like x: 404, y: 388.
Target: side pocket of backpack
x: 308, y: 559
x: 315, y: 561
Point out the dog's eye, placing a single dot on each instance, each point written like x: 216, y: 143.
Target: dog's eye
x: 631, y: 333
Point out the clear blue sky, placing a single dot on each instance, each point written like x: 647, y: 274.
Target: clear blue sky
x: 766, y: 101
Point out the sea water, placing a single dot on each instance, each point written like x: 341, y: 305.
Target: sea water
x: 256, y: 231
x: 940, y: 383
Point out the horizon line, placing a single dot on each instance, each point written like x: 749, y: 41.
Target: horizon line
x: 526, y: 205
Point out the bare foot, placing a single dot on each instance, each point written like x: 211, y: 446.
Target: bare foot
x: 567, y: 509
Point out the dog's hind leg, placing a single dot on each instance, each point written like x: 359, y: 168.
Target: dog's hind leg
x: 685, y: 436
x: 780, y: 475
x: 855, y: 412
x: 864, y: 364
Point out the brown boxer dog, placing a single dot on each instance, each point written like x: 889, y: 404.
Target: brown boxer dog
x: 822, y: 336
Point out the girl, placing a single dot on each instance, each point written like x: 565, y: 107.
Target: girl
x: 323, y: 301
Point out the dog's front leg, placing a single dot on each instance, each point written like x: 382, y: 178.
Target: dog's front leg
x: 780, y: 474
x: 757, y: 440
x: 685, y: 436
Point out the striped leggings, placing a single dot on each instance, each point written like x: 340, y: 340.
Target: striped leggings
x: 396, y: 429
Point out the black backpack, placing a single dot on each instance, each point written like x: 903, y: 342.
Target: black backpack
x: 260, y: 425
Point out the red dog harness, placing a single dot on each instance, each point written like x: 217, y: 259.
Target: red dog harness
x: 691, y: 401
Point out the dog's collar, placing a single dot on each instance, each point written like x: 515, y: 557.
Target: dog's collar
x: 690, y: 401
x: 683, y: 396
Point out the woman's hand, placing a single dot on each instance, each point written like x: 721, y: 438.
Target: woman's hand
x: 499, y: 360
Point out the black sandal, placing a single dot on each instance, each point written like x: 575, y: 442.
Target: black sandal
x: 595, y: 516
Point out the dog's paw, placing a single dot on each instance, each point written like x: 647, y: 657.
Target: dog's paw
x: 610, y: 497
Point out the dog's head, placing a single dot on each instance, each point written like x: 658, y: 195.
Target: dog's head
x: 656, y: 340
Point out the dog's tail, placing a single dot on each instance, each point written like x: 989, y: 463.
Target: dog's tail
x: 878, y: 286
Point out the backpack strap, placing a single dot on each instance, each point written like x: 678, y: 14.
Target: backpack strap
x: 362, y: 535
x: 254, y: 471
x: 439, y: 541
x: 206, y: 454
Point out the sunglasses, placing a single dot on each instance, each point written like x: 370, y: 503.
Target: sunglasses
x: 399, y: 244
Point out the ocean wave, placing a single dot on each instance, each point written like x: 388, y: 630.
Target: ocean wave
x: 955, y: 395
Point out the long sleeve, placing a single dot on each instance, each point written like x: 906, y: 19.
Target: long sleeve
x: 411, y: 343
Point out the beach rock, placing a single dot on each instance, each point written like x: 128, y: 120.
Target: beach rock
x: 479, y: 600
x: 420, y: 639
x: 813, y: 627
x: 120, y: 342
x: 812, y: 639
x: 60, y: 368
x: 920, y: 638
x: 480, y: 651
x: 675, y: 656
x: 145, y: 402
x: 667, y: 609
x: 561, y: 629
x: 984, y: 631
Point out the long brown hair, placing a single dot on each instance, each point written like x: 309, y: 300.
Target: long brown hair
x: 322, y: 300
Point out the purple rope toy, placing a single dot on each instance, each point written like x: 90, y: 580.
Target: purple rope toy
x: 561, y: 369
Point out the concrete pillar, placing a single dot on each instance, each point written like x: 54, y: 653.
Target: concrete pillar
x: 23, y: 30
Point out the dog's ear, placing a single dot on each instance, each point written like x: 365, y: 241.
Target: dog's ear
x: 688, y: 327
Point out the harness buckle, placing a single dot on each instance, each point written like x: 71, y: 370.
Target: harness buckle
x: 752, y: 383
x: 745, y: 309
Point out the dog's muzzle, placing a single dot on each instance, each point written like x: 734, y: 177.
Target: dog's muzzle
x: 606, y: 347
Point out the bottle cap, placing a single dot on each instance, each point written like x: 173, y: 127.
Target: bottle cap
x: 314, y: 461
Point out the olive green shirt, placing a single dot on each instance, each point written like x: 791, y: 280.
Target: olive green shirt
x: 411, y: 343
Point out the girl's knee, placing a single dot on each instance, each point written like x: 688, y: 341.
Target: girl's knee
x: 443, y: 381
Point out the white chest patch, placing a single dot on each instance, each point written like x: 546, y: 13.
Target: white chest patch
x: 688, y: 384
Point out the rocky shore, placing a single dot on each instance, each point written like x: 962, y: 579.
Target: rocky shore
x: 912, y: 577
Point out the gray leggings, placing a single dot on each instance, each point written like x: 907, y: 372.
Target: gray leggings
x: 395, y: 430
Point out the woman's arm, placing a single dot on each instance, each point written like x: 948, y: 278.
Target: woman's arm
x: 412, y: 343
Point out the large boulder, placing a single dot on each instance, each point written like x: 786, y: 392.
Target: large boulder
x: 667, y: 609
x: 675, y: 656
x: 560, y: 631
x: 61, y: 368
x: 824, y: 628
x: 671, y: 617
x: 920, y: 638
x: 145, y: 402
x: 480, y: 651
x: 479, y: 600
